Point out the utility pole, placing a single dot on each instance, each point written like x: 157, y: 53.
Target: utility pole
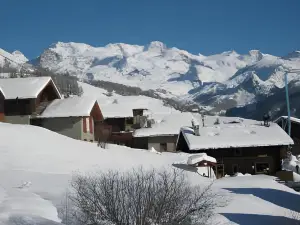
x: 287, y: 97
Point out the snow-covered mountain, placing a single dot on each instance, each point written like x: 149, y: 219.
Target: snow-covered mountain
x: 13, y: 60
x: 219, y: 82
x: 153, y: 66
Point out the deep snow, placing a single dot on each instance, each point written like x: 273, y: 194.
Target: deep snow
x: 36, y: 166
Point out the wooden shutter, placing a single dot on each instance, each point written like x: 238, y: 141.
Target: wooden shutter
x: 91, y: 125
x: 84, y: 124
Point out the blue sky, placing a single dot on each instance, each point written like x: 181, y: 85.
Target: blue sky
x: 198, y: 26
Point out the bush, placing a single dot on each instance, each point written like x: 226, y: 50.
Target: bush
x: 140, y: 197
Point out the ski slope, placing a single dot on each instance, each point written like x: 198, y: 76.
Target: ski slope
x: 36, y: 166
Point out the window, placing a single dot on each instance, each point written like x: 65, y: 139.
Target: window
x: 129, y: 120
x: 163, y: 147
x: 87, y: 121
x: 237, y: 152
x: 262, y: 167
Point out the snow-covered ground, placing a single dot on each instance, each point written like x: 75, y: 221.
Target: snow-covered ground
x: 36, y: 166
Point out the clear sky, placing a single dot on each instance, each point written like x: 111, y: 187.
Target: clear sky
x: 198, y: 26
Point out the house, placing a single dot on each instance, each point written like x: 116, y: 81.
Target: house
x: 162, y: 135
x: 21, y: 98
x: 295, y: 131
x: 120, y: 120
x: 75, y: 117
x: 239, y: 145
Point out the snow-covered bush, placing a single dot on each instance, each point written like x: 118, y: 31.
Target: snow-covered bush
x: 141, y: 197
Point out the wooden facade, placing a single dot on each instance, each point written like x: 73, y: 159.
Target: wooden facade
x: 2, y: 117
x: 29, y: 106
x: 252, y: 160
x: 295, y: 133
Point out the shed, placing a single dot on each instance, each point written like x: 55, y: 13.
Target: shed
x: 206, y: 164
x: 75, y: 117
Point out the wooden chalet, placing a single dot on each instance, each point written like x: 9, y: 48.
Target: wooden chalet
x: 23, y: 97
x: 238, y: 145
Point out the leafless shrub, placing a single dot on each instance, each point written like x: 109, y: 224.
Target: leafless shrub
x: 141, y: 197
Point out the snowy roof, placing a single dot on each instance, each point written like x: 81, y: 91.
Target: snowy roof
x: 293, y: 119
x: 200, y: 157
x: 69, y: 107
x: 234, y: 132
x: 169, y: 125
x: 23, y: 88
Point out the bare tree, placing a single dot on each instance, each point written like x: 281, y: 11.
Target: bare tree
x: 141, y: 197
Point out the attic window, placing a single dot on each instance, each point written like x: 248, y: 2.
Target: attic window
x: 233, y: 122
x: 237, y: 152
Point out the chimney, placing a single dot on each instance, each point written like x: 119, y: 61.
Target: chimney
x: 196, y: 130
x: 266, y: 119
x: 203, y: 120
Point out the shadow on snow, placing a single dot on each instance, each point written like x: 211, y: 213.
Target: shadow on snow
x: 254, y: 219
x: 281, y: 198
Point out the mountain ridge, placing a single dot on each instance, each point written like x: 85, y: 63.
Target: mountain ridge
x: 220, y: 81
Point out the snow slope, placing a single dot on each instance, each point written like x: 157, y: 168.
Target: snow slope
x: 35, y: 173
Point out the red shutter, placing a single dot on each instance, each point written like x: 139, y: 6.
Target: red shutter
x: 84, y: 124
x: 91, y: 125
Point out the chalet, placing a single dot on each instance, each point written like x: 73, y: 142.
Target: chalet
x: 238, y: 145
x: 21, y: 98
x: 162, y: 135
x: 120, y: 120
x: 295, y: 131
x: 75, y: 117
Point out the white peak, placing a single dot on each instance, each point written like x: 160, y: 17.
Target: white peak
x: 156, y: 46
x: 19, y: 56
x: 229, y: 53
x: 69, y: 45
x: 256, y: 54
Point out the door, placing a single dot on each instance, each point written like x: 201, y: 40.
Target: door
x: 235, y: 168
x: 220, y: 171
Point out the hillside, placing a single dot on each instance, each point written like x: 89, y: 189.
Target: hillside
x: 35, y: 173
